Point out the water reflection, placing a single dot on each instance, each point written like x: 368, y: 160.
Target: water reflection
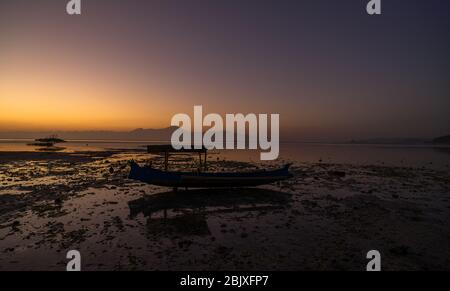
x: 50, y: 149
x: 185, y: 212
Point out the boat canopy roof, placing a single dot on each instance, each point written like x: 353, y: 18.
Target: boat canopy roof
x: 167, y: 150
x: 158, y: 149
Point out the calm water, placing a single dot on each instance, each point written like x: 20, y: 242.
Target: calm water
x: 391, y: 155
x: 7, y: 145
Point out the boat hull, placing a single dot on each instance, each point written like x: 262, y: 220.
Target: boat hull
x: 207, y: 180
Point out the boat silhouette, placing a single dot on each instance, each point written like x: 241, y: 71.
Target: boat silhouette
x: 149, y: 175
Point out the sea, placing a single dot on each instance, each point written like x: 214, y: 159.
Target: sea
x: 428, y: 156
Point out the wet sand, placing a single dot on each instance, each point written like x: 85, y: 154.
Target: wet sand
x: 326, y: 218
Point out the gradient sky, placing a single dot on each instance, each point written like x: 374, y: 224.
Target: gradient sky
x: 328, y: 68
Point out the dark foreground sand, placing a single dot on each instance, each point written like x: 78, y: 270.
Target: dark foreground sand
x: 326, y: 218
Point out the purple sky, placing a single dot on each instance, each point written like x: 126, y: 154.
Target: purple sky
x: 329, y: 69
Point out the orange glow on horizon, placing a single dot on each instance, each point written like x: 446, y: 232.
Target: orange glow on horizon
x: 34, y: 99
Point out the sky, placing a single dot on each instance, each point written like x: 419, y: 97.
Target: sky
x: 330, y: 70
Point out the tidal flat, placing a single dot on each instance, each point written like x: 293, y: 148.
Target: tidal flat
x: 325, y: 218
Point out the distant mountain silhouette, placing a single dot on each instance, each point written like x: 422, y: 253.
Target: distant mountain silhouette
x: 442, y: 140
x: 164, y: 135
x: 139, y: 134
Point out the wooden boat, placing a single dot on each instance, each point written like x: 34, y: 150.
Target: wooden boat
x: 157, y: 177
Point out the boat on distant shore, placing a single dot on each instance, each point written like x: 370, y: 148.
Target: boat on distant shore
x: 174, y: 179
x: 47, y: 141
x: 51, y: 139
